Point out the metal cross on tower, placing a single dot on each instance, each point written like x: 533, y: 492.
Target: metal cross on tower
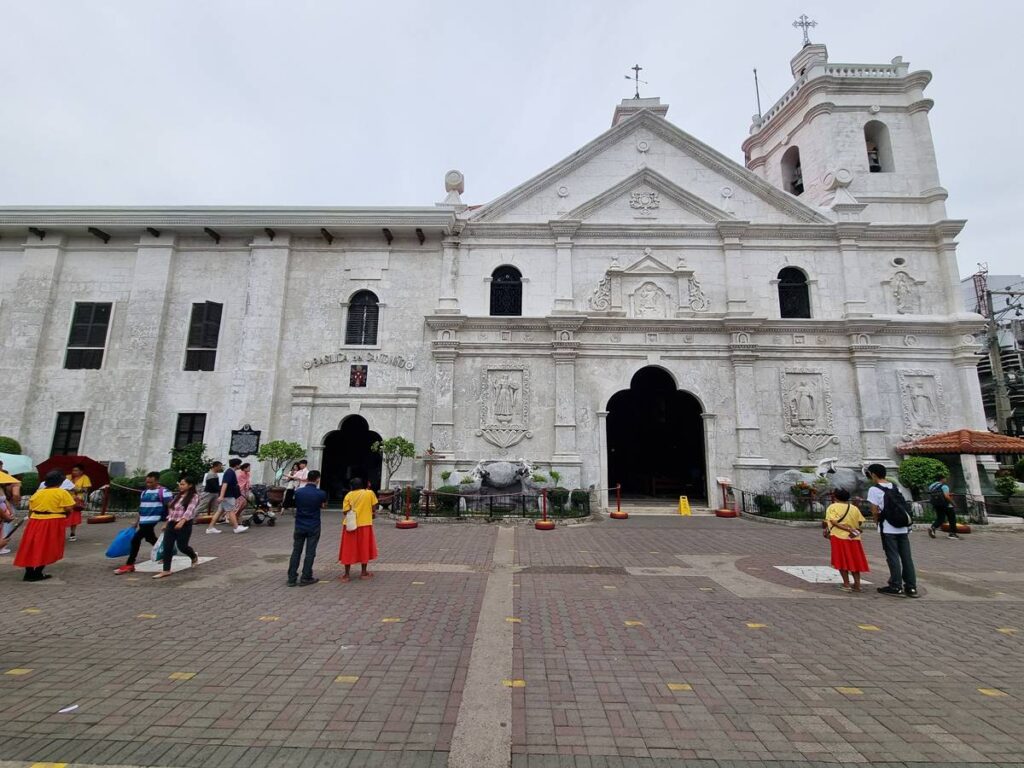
x: 637, y: 69
x: 805, y: 23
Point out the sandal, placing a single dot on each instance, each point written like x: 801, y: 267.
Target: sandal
x: 162, y: 575
x: 845, y: 588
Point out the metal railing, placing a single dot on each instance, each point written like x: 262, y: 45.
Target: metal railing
x: 561, y: 503
x: 790, y: 506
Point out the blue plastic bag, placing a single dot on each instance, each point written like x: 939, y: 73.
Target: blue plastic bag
x: 122, y: 543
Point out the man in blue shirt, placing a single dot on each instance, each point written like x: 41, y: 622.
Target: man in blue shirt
x: 942, y: 503
x: 309, y: 500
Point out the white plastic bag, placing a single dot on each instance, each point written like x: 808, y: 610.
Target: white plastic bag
x: 350, y: 520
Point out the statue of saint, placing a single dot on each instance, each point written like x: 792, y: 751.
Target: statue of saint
x: 803, y: 411
x: 505, y: 391
x: 647, y: 301
x: 921, y: 406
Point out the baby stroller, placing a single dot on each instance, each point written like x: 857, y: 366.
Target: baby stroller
x: 258, y: 510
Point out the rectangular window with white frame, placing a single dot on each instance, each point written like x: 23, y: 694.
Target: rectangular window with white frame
x: 203, y: 334
x: 87, y: 340
x: 191, y: 428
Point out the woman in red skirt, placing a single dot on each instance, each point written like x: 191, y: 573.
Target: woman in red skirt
x: 43, y: 542
x: 842, y: 525
x: 358, y: 545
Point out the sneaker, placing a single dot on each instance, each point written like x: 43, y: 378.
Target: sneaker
x: 931, y: 532
x: 912, y: 592
x: 240, y: 529
x: 125, y: 569
x: 292, y: 583
x: 5, y: 551
x: 213, y: 530
x: 72, y: 538
x: 953, y: 536
x: 307, y: 582
x: 890, y: 591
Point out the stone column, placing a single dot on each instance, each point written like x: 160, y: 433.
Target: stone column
x: 566, y: 453
x: 254, y: 379
x: 405, y: 425
x: 442, y: 424
x: 711, y: 468
x: 303, y: 396
x: 448, y: 302
x: 603, y: 490
x: 26, y: 317
x: 864, y: 358
x: 563, y: 232
x: 946, y: 251
x: 854, y: 290
x: 749, y: 456
x: 971, y: 410
x: 737, y: 296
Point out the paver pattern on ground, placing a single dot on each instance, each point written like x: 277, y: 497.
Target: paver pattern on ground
x: 651, y: 641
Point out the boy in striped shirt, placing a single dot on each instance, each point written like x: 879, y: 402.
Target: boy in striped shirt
x: 152, y: 510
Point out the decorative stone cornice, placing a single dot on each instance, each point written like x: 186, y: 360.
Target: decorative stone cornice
x: 922, y: 105
x: 565, y: 227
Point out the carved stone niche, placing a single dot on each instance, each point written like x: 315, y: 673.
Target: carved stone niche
x: 903, y: 293
x: 649, y: 288
x: 807, y: 409
x: 922, y: 401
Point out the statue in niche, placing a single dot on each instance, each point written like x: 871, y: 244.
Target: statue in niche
x: 505, y: 391
x: 649, y: 301
x: 803, y: 407
x: 903, y: 292
x: 921, y: 406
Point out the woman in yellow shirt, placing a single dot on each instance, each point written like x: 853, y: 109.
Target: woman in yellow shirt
x: 842, y: 523
x: 360, y: 545
x: 83, y: 485
x: 43, y: 542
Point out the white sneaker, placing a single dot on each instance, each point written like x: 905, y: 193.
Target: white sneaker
x: 213, y: 530
x: 5, y: 551
x: 240, y: 529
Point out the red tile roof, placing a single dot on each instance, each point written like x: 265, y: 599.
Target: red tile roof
x: 970, y: 441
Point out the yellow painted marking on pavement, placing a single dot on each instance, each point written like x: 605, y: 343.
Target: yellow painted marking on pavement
x: 593, y: 566
x: 390, y: 620
x: 181, y: 675
x: 633, y: 623
x: 419, y: 583
x: 513, y: 620
x: 849, y: 690
x: 995, y: 692
x: 654, y: 552
x: 1007, y: 630
x: 513, y: 683
x: 707, y: 589
x: 48, y: 765
x: 146, y: 616
x: 18, y: 671
x: 32, y: 610
x: 609, y: 586
x: 680, y: 687
x: 346, y: 678
x: 270, y: 618
x: 869, y: 627
x: 754, y: 625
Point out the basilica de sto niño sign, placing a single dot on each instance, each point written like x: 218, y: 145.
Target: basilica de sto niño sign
x: 398, y: 361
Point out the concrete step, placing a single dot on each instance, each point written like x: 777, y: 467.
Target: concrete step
x: 665, y: 510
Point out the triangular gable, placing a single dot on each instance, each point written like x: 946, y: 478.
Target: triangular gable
x: 712, y: 159
x: 648, y: 265
x: 686, y: 200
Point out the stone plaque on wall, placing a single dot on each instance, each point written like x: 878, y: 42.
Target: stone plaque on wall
x: 922, y: 402
x: 504, y: 404
x: 807, y: 409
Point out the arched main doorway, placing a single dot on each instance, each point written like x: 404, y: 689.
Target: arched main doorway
x: 347, y: 454
x: 656, y: 439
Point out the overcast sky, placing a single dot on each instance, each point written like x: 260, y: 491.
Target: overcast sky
x: 330, y: 102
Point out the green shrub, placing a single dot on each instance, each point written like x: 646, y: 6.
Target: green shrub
x: 1006, y: 486
x: 557, y: 498
x: 125, y: 499
x: 766, y: 505
x: 190, y: 461
x: 29, y: 483
x: 556, y: 477
x: 466, y: 480
x: 445, y: 475
x: 579, y: 499
x: 539, y: 478
x: 169, y: 479
x: 1018, y: 470
x: 9, y: 445
x: 918, y: 472
x: 446, y: 500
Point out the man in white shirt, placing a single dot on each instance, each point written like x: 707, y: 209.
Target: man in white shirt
x: 895, y: 540
x: 301, y: 475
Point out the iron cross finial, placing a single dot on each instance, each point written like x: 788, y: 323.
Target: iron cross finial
x: 637, y: 69
x: 805, y: 23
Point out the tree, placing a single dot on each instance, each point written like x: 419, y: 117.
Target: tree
x: 9, y: 445
x: 393, y: 452
x: 190, y: 461
x: 918, y: 472
x: 280, y: 453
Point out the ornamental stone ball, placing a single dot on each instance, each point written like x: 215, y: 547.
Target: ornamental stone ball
x: 454, y: 181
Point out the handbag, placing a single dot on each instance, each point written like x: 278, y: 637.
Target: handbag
x: 827, y: 533
x: 350, y: 520
x: 122, y: 543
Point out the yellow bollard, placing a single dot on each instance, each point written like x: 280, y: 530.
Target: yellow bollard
x: 684, y: 506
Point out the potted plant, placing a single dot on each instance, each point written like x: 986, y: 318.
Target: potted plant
x: 393, y: 452
x: 280, y: 453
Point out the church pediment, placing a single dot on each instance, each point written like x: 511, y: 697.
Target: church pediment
x: 648, y: 265
x: 646, y: 168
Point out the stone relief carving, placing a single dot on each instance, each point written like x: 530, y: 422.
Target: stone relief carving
x: 644, y: 201
x: 807, y: 409
x: 649, y: 300
x: 601, y: 298
x: 698, y: 301
x: 922, y: 401
x: 504, y: 405
x: 905, y: 293
x: 442, y: 382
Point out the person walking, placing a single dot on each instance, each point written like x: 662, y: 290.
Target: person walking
x: 942, y: 503
x: 227, y: 499
x: 153, y: 502
x: 244, y: 475
x: 891, y: 511
x: 289, y: 488
x: 43, y: 542
x: 209, y: 495
x: 842, y: 528
x: 309, y: 500
x: 178, y: 530
x: 358, y: 544
x: 82, y: 486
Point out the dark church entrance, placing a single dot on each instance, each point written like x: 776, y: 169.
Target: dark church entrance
x: 347, y: 454
x: 656, y: 439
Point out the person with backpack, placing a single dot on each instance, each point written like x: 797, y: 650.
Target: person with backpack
x: 152, y: 511
x: 891, y: 511
x: 942, y: 503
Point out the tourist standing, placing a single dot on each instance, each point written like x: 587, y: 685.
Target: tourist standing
x: 82, y: 486
x: 309, y: 500
x: 153, y: 503
x: 289, y: 488
x: 227, y: 501
x: 210, y: 494
x: 842, y: 526
x: 43, y: 542
x: 359, y: 544
x: 300, y: 475
x: 891, y: 511
x: 178, y: 530
x: 942, y: 504
x: 10, y: 497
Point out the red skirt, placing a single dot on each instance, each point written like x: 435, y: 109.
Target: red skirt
x: 74, y: 517
x: 41, y: 544
x: 848, y: 555
x: 358, y: 546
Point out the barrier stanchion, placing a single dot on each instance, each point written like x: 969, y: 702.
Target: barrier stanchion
x: 104, y: 515
x: 407, y: 522
x: 544, y: 524
x: 618, y: 514
x: 725, y: 510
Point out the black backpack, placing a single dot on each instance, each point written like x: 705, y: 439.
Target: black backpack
x: 937, y: 496
x: 896, y: 511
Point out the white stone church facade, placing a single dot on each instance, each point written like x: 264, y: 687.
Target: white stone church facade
x: 801, y: 307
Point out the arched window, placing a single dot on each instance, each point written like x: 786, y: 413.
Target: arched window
x: 792, y: 173
x: 506, y: 291
x: 363, y: 313
x: 794, y: 296
x: 879, y: 149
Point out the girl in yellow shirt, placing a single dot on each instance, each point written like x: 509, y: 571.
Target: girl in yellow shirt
x: 842, y: 523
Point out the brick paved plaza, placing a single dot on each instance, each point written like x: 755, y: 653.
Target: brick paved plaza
x: 656, y: 641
